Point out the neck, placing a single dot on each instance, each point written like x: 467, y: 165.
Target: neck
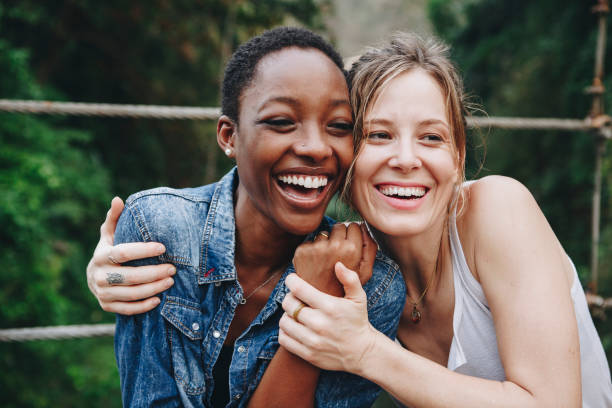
x: 418, y: 257
x: 261, y: 245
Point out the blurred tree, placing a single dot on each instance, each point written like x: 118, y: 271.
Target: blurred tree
x: 52, y: 191
x: 145, y: 52
x: 534, y: 59
x: 57, y: 174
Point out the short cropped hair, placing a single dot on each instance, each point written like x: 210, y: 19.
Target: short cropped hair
x: 240, y: 69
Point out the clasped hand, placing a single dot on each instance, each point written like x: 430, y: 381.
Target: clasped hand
x: 331, y: 332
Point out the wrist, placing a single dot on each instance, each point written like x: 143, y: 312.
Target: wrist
x: 364, y: 364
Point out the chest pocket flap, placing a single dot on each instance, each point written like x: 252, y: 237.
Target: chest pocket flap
x: 184, y: 315
x: 185, y: 340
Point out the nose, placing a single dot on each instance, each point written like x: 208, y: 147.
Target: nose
x: 312, y: 143
x: 405, y: 155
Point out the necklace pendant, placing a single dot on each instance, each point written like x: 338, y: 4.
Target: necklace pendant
x: 416, y: 315
x: 242, y: 300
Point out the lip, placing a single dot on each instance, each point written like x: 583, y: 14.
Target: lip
x: 301, y: 202
x: 399, y: 203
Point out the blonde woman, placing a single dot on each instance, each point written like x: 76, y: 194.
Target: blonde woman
x: 494, y: 314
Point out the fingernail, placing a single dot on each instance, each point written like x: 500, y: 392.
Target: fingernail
x: 156, y: 300
x: 161, y: 249
x: 169, y: 282
x: 171, y: 270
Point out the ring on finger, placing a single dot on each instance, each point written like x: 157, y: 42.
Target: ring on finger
x: 297, y: 311
x: 113, y: 260
x: 323, y: 234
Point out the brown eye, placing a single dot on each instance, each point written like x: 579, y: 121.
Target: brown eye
x: 341, y: 127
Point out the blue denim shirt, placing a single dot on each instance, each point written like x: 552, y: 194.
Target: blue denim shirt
x: 166, y: 356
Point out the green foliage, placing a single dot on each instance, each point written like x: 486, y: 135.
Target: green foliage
x: 52, y: 192
x: 57, y: 175
x: 534, y: 59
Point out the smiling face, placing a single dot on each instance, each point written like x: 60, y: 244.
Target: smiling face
x: 406, y: 171
x: 293, y: 143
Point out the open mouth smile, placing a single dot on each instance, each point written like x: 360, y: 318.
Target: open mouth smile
x: 402, y: 197
x: 402, y: 192
x: 304, y: 190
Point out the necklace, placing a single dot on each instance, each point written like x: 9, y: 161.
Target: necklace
x: 243, y: 299
x: 415, y: 316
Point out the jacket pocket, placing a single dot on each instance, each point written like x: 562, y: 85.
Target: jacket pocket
x: 184, y: 333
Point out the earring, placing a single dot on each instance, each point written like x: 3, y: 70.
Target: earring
x: 228, y: 151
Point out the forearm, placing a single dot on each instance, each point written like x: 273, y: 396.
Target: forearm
x: 419, y: 382
x: 288, y: 381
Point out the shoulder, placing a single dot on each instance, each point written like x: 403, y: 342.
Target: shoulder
x: 499, y: 213
x: 173, y: 217
x: 497, y: 190
x: 161, y: 196
x: 496, y: 201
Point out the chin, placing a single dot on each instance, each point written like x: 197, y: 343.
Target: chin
x: 302, y: 224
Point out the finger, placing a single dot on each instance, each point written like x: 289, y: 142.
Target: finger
x: 350, y: 280
x: 338, y: 232
x: 296, y: 330
x: 118, y: 293
x: 290, y: 303
x: 132, y: 308
x: 136, y: 275
x: 368, y: 255
x: 107, y: 230
x: 293, y: 345
x: 322, y: 236
x: 353, y: 234
x: 308, y: 294
x: 133, y: 250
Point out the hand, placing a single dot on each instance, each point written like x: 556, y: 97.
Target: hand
x: 331, y: 333
x: 124, y: 289
x: 314, y: 261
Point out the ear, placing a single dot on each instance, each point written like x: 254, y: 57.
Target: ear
x: 226, y: 135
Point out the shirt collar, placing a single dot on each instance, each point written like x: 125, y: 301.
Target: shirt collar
x: 219, y: 237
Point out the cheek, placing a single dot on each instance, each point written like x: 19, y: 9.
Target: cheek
x: 359, y: 183
x: 344, y: 150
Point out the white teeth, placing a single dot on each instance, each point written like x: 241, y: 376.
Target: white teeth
x: 304, y: 181
x: 403, y: 191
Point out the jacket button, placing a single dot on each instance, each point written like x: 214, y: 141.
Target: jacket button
x: 241, y: 349
x: 237, y: 396
x: 216, y: 334
x: 195, y: 327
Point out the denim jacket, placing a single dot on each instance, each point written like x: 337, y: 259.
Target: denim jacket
x: 166, y: 356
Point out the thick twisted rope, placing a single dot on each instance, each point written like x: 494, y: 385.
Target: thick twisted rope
x: 57, y: 332
x: 105, y: 109
x: 195, y: 113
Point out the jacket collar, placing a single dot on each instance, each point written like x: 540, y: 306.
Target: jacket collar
x: 219, y: 237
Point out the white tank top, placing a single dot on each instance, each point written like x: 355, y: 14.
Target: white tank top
x: 474, y: 347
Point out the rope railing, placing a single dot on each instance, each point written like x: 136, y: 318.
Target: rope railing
x: 57, y: 332
x: 212, y: 113
x: 108, y: 110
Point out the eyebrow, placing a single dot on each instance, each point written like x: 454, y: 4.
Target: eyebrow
x: 296, y: 103
x: 387, y: 122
